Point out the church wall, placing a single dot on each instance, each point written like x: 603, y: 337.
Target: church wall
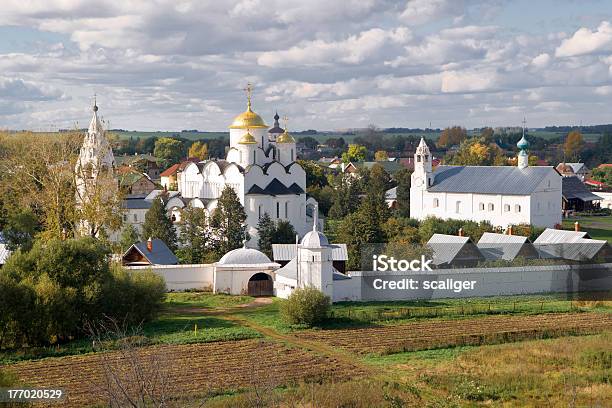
x: 191, y: 181
x: 182, y: 277
x: 235, y: 281
x: 546, y: 202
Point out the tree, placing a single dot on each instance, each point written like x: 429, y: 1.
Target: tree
x: 20, y: 230
x: 573, y: 145
x: 315, y: 174
x: 266, y: 230
x: 307, y: 306
x: 381, y: 155
x: 452, y: 136
x: 355, y: 153
x: 158, y: 224
x: 128, y: 237
x: 403, y: 178
x: 284, y: 233
x: 228, y: 223
x: 309, y: 141
x: 345, y: 196
x: 199, y: 150
x: 603, y: 174
x: 169, y: 150
x: 194, y: 236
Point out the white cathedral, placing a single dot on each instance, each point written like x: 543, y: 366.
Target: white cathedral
x: 261, y: 167
x: 502, y: 195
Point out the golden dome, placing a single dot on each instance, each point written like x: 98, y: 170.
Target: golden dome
x: 248, y: 119
x: 285, y: 138
x: 247, y: 138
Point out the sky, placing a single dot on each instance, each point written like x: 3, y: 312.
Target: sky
x: 326, y: 65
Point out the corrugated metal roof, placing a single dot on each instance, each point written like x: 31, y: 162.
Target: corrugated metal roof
x: 572, y: 187
x: 501, y: 246
x: 489, y: 179
x: 286, y: 252
x: 136, y: 204
x: 555, y: 236
x: 160, y: 255
x: 391, y: 194
x: 452, y: 248
x: 579, y: 250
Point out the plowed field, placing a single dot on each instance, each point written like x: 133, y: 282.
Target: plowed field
x: 189, y: 369
x: 436, y: 334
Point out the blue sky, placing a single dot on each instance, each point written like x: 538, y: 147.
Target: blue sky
x: 172, y: 65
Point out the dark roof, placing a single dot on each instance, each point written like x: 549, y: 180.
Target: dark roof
x: 277, y: 188
x: 294, y: 188
x: 160, y: 255
x: 572, y: 188
x: 136, y: 204
x: 488, y: 179
x: 255, y: 189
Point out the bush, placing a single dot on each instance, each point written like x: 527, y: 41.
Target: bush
x: 307, y: 306
x: 49, y: 293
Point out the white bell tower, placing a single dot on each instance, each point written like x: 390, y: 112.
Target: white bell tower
x: 421, y: 179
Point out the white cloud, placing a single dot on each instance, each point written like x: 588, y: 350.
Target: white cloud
x: 423, y: 11
x: 585, y: 41
x: 542, y: 60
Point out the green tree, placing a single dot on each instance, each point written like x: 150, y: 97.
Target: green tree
x: 403, y: 178
x: 307, y: 306
x: 20, y: 229
x: 199, y: 150
x: 169, y: 150
x: 315, y: 174
x: 194, y: 236
x: 603, y: 174
x: 284, y: 232
x: 345, y: 196
x: 157, y: 224
x: 266, y: 230
x: 129, y: 236
x: 228, y: 223
x: 355, y: 153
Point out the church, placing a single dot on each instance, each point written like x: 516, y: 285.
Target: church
x: 261, y: 167
x: 502, y: 195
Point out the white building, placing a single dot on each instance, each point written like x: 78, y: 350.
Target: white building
x: 502, y: 195
x: 261, y: 167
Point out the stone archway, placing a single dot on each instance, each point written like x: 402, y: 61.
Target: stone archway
x: 261, y: 284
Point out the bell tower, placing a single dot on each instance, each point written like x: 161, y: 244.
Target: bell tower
x: 422, y: 177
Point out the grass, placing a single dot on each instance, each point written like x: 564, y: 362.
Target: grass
x: 598, y: 227
x: 204, y: 300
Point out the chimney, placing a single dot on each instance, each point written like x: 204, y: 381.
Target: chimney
x: 577, y: 226
x: 509, y: 229
x: 150, y: 245
x: 460, y: 232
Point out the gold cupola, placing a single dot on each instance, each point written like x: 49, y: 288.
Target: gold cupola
x: 285, y: 137
x: 247, y: 138
x: 248, y: 119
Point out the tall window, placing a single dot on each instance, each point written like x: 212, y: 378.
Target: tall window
x: 491, y: 207
x: 259, y: 211
x: 481, y: 206
x: 506, y: 207
x: 436, y: 203
x: 254, y: 156
x: 286, y: 209
x: 418, y: 158
x: 458, y: 207
x: 517, y: 208
x: 291, y: 154
x: 277, y: 210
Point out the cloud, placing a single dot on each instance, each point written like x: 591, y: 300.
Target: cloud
x: 423, y: 11
x: 19, y: 90
x: 585, y: 41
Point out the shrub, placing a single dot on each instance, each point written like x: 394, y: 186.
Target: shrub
x: 58, y: 286
x: 307, y: 306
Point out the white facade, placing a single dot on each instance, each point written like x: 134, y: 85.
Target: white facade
x: 538, y: 205
x: 262, y: 170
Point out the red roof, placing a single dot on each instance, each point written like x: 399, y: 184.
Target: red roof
x: 170, y: 170
x: 601, y: 166
x: 594, y: 183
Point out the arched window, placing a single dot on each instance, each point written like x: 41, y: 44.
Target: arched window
x: 286, y: 209
x: 259, y: 211
x: 426, y: 157
x: 458, y: 207
x: 517, y: 208
x: 436, y: 203
x: 418, y: 158
x: 291, y: 154
x: 506, y: 207
x: 277, y: 210
x: 481, y: 206
x: 491, y: 207
x: 254, y: 156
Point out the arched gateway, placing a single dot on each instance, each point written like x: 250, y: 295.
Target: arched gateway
x: 260, y: 284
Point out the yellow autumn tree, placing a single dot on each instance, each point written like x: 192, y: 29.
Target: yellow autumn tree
x: 452, y: 136
x: 574, y: 143
x: 381, y: 155
x: 199, y: 150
